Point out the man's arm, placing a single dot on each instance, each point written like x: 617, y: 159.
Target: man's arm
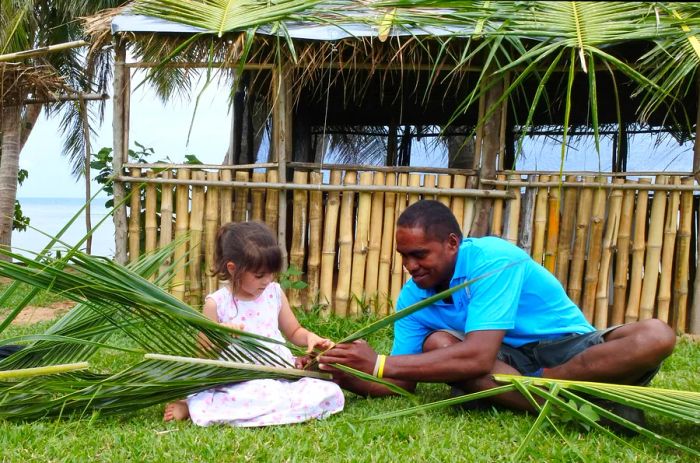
x: 471, y: 358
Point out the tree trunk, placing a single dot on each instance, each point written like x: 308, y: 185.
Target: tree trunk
x: 31, y: 115
x: 9, y: 166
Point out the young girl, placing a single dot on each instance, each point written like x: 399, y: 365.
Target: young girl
x: 247, y: 255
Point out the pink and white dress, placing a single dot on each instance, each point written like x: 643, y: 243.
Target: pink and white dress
x: 262, y: 402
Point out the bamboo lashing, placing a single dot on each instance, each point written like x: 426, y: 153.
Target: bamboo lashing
x: 166, y: 219
x: 211, y: 225
x: 328, y: 263
x: 360, y: 247
x: 512, y: 214
x: 196, y: 234
x: 583, y: 218
x: 347, y: 203
x: 375, y: 244
x: 226, y: 198
x: 396, y: 264
x: 272, y: 198
x: 497, y: 213
x: 552, y: 241
x: 135, y: 218
x: 257, y: 198
x: 387, y: 250
x: 444, y: 182
x: 566, y: 233
x: 526, y: 217
x: 540, y: 222
x: 622, y: 257
x: 667, y: 252
x: 680, y: 283
x: 609, y: 244
x: 638, y: 246
x: 182, y: 219
x: 594, y: 251
x: 151, y: 222
x: 240, y: 208
x: 299, y: 225
x: 653, y: 258
x: 313, y: 264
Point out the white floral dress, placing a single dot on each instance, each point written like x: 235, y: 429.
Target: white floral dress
x: 262, y: 402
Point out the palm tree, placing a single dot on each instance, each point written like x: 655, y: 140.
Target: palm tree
x: 31, y: 24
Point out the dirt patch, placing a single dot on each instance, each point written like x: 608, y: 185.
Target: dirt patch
x: 32, y: 314
x: 692, y: 337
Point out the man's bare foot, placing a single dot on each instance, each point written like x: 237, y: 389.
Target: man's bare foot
x: 177, y: 411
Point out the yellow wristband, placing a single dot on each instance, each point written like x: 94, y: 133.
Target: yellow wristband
x: 381, y: 360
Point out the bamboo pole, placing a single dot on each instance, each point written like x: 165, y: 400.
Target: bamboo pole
x: 360, y: 248
x: 135, y: 218
x: 667, y: 253
x: 211, y: 225
x: 526, y: 218
x: 257, y: 198
x: 328, y: 262
x: 313, y: 264
x: 580, y: 239
x: 396, y: 265
x: 469, y: 209
x: 638, y: 242
x: 414, y: 182
x: 497, y: 212
x: 594, y: 252
x: 151, y: 221
x: 166, y: 219
x: 512, y: 213
x: 240, y: 208
x: 444, y: 181
x: 120, y: 118
x: 552, y: 241
x: 182, y: 220
x: 429, y: 182
x: 342, y: 292
x: 622, y: 257
x: 196, y: 234
x: 297, y: 252
x: 566, y: 233
x: 375, y: 244
x: 271, y: 202
x: 540, y: 222
x: 226, y: 198
x: 609, y: 244
x: 653, y: 258
x: 680, y: 283
x: 387, y: 250
x: 457, y: 206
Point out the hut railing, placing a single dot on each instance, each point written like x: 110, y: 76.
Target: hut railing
x: 624, y: 248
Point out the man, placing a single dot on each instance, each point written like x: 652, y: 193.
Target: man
x: 516, y: 319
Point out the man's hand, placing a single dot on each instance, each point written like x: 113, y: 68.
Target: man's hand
x: 358, y: 355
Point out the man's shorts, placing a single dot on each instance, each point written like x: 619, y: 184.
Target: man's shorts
x: 549, y: 353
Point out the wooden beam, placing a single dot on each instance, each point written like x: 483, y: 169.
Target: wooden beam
x: 118, y: 153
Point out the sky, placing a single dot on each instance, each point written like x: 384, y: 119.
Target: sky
x: 164, y: 128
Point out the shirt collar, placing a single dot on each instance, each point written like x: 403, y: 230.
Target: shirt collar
x: 462, y: 261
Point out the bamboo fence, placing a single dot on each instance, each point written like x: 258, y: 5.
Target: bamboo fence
x: 623, y: 248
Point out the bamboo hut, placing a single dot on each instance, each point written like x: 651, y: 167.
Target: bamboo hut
x: 350, y: 76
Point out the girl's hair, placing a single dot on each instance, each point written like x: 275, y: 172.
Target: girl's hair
x: 251, y: 246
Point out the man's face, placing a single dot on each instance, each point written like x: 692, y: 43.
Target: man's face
x: 430, y: 262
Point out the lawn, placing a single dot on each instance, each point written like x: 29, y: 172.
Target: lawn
x: 443, y: 435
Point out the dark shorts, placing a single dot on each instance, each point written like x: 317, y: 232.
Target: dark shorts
x: 549, y: 353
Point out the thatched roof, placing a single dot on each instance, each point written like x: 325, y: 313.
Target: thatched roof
x: 18, y: 82
x: 345, y: 70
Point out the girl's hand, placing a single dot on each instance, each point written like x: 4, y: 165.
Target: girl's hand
x: 314, y: 341
x: 235, y: 326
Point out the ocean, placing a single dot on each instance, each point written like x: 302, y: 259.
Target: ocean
x: 49, y: 215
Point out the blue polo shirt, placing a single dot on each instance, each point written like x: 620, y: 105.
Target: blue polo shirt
x: 523, y: 299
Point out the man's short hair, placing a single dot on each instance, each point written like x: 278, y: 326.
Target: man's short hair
x: 436, y: 219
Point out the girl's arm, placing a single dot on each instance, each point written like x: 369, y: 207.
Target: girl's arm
x: 297, y: 334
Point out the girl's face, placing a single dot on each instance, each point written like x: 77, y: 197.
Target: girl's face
x: 252, y: 284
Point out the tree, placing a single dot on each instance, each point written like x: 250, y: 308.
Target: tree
x: 32, y: 24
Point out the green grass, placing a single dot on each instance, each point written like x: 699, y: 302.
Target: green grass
x: 443, y: 435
